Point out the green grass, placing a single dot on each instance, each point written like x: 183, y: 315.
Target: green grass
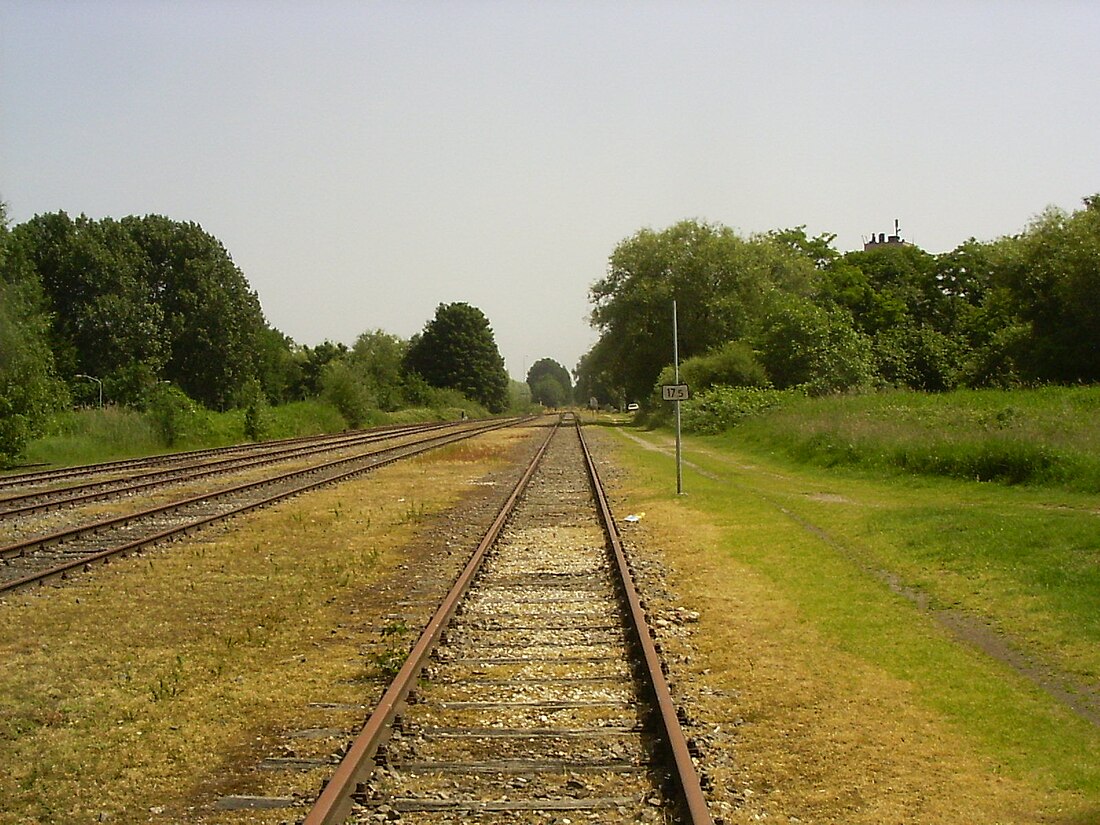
x: 89, y: 436
x: 1047, y: 437
x: 174, y: 423
x: 1020, y: 560
x: 93, y: 435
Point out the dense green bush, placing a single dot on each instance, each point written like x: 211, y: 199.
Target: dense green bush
x: 721, y: 408
x: 733, y: 364
x: 341, y: 388
x: 813, y: 347
x: 179, y: 419
x: 298, y: 418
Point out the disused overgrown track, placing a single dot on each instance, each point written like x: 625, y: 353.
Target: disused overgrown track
x: 535, y: 689
x: 58, y: 554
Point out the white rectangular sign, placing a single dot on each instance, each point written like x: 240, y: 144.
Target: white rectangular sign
x: 674, y: 392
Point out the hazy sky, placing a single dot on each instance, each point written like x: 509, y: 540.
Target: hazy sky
x: 364, y: 162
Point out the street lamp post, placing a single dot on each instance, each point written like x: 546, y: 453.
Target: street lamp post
x: 93, y: 378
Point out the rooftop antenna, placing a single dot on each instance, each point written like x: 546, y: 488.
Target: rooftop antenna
x: 897, y: 229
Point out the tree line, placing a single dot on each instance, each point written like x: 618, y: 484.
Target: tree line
x: 155, y: 312
x: 149, y: 311
x: 782, y: 309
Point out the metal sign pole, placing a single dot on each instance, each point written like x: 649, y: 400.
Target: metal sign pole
x: 676, y: 367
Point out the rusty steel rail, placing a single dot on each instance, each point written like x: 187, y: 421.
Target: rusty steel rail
x: 63, y: 570
x: 335, y: 800
x: 42, y: 500
x: 59, y: 473
x: 686, y: 777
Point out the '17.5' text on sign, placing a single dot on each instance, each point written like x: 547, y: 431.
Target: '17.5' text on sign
x: 674, y: 392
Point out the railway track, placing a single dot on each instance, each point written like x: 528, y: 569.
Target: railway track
x: 49, y: 555
x: 48, y: 476
x: 39, y: 492
x: 535, y: 692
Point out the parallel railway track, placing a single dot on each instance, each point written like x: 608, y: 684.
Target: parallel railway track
x: 535, y: 690
x: 40, y: 491
x: 44, y: 556
x: 9, y: 480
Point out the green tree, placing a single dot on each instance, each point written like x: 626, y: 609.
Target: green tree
x: 369, y: 376
x: 919, y: 357
x: 457, y: 350
x: 313, y: 363
x: 718, y: 279
x: 805, y: 345
x: 548, y: 391
x: 145, y: 299
x: 550, y: 383
x: 887, y: 286
x: 918, y: 309
x: 597, y: 378
x: 29, y: 389
x: 278, y: 365
x: 212, y: 318
x: 106, y: 319
x: 818, y: 249
x: 1051, y: 274
x: 377, y: 358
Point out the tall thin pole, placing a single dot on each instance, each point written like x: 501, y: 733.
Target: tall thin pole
x: 676, y: 367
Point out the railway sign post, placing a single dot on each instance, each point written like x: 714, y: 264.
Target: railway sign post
x: 676, y: 392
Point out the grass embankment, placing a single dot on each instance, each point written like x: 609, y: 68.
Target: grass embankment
x: 821, y: 591
x: 124, y: 688
x: 1048, y: 436
x: 90, y: 436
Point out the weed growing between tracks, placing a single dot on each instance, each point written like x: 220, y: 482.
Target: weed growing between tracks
x: 146, y: 689
x: 830, y: 696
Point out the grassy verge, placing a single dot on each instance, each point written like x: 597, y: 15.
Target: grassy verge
x: 89, y: 436
x: 1048, y: 436
x: 93, y: 435
x: 797, y: 563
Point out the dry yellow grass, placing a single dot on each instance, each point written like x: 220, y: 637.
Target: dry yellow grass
x: 146, y: 689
